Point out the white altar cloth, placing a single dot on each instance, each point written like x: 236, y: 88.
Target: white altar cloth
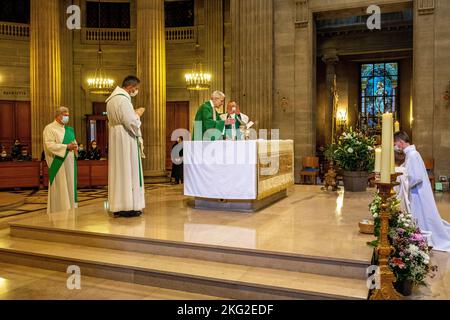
x: 221, y: 169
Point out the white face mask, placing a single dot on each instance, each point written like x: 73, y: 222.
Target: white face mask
x: 134, y: 94
x: 397, y: 149
x: 65, y: 119
x: 233, y: 109
x: 4, y: 155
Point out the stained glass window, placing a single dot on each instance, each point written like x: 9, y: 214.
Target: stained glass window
x: 379, y: 90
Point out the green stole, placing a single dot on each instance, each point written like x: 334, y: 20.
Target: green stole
x: 69, y: 137
x: 138, y: 147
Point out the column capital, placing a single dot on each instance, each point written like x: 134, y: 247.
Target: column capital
x: 302, y: 13
x: 330, y: 56
x: 426, y: 7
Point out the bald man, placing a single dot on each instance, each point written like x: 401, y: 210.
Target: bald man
x: 60, y: 149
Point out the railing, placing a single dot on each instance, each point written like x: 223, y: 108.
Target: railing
x: 106, y: 35
x: 11, y: 30
x: 92, y: 35
x: 184, y: 34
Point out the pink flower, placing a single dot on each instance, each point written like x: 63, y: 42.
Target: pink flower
x: 398, y: 262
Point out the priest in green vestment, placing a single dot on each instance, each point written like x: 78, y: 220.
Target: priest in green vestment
x: 235, y: 131
x: 208, y: 125
x: 60, y: 147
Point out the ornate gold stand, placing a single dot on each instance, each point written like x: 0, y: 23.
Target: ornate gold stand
x: 384, y: 249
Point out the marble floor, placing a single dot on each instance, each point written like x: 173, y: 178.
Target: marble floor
x: 308, y: 222
x: 26, y: 283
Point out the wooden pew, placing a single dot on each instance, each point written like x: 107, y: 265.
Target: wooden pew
x: 20, y: 174
x: 90, y: 173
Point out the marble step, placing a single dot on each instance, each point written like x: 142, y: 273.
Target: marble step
x: 191, y: 275
x: 352, y: 269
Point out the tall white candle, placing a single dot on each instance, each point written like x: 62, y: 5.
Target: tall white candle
x: 392, y: 155
x: 377, y: 160
x: 386, y: 148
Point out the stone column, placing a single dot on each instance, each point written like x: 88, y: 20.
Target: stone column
x: 424, y: 69
x: 330, y: 59
x: 304, y: 85
x: 67, y: 75
x: 252, y: 59
x: 214, y: 42
x: 45, y: 67
x: 151, y: 69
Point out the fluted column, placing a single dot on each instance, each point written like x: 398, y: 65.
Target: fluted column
x: 330, y: 59
x: 45, y: 67
x: 67, y: 74
x: 151, y: 69
x: 214, y: 42
x: 252, y: 58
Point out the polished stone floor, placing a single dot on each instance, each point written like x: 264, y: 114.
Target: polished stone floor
x: 26, y: 283
x: 309, y: 222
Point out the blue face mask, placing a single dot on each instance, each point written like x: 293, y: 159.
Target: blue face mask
x: 65, y: 119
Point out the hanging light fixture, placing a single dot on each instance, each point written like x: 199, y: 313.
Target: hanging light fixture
x: 100, y: 83
x: 197, y: 80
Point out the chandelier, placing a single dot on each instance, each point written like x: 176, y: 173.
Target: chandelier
x: 100, y: 83
x: 197, y: 80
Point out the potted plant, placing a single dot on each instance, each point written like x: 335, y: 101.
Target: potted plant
x: 354, y: 154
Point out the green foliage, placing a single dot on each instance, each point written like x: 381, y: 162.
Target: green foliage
x: 353, y: 152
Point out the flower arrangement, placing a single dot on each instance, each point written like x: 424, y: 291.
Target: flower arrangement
x: 411, y: 258
x: 353, y: 152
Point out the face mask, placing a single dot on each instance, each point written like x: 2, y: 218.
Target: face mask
x: 3, y: 155
x: 81, y: 149
x: 233, y: 109
x: 397, y: 149
x: 94, y: 146
x: 134, y: 94
x: 65, y: 119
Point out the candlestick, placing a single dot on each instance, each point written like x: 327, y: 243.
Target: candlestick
x: 378, y: 160
x: 386, y: 148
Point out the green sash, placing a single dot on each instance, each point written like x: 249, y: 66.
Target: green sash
x: 139, y: 161
x: 69, y: 137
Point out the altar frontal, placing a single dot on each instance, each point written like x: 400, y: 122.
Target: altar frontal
x: 238, y: 175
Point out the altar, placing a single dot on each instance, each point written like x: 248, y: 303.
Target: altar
x: 242, y: 176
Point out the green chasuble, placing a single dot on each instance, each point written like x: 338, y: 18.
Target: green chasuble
x: 69, y: 137
x: 205, y: 119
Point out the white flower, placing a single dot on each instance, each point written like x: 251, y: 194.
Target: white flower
x: 406, y: 225
x: 369, y: 148
x: 375, y: 215
x: 350, y: 150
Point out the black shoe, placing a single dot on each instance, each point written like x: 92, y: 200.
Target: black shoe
x: 136, y: 213
x: 119, y: 214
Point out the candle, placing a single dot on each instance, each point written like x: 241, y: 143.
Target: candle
x: 386, y: 148
x: 392, y: 155
x: 377, y: 160
x: 397, y: 126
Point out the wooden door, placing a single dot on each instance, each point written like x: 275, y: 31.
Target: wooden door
x: 15, y: 123
x: 177, y: 117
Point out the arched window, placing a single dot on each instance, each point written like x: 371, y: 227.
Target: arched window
x: 379, y: 90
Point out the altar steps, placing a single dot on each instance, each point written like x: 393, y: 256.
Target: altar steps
x: 217, y: 271
x: 225, y: 280
x: 249, y: 257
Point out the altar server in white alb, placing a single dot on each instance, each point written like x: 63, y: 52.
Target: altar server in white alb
x: 60, y: 149
x: 125, y: 175
x: 423, y: 205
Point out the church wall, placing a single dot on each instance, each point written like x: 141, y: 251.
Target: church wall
x: 14, y: 70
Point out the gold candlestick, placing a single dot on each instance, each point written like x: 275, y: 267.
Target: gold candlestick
x: 386, y: 291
